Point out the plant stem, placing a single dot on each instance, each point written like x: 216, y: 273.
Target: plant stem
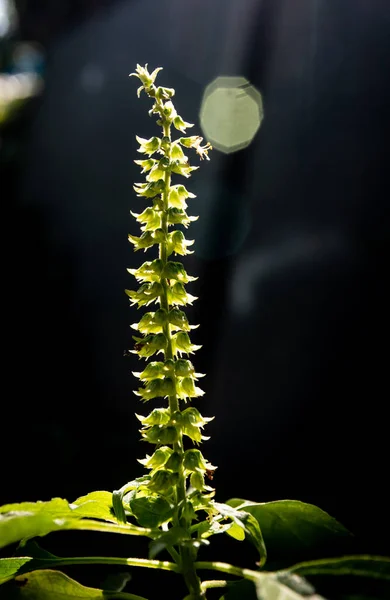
x: 187, y: 555
x: 230, y: 569
x: 213, y: 583
x: 110, y: 560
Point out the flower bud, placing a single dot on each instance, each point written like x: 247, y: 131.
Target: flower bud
x: 177, y: 196
x: 162, y: 481
x: 164, y: 93
x: 193, y: 461
x: 177, y: 243
x: 177, y: 153
x: 150, y: 217
x: 143, y: 74
x: 158, y: 416
x: 182, y: 343
x: 145, y: 241
x: 175, y: 270
x: 156, y: 173
x: 146, y: 293
x: 158, y: 458
x: 177, y: 216
x: 149, y: 271
x: 178, y: 319
x: 197, y: 481
x: 174, y: 462
x: 192, y: 416
x: 147, y: 346
x: 169, y: 111
x: 150, y: 189
x: 187, y: 389
x: 183, y: 169
x: 152, y: 371
x: 177, y: 295
x: 148, y: 146
x: 152, y: 322
x: 146, y: 164
x: 161, y: 434
x: 181, y: 125
x: 184, y: 368
x: 157, y: 388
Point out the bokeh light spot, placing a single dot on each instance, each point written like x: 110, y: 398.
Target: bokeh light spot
x: 231, y: 113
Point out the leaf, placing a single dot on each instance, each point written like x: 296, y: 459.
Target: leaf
x: 31, y: 519
x: 248, y: 523
x: 294, y: 531
x: 151, y: 511
x: 352, y: 576
x: 270, y: 587
x: 53, y: 585
x: 96, y: 505
x: 289, y: 587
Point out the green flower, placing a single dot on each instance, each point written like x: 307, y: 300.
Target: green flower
x: 158, y: 459
x: 149, y: 146
x: 181, y: 125
x: 146, y: 78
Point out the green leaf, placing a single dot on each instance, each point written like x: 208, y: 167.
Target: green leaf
x: 294, y: 531
x: 285, y: 587
x: 351, y: 576
x: 96, y: 505
x: 151, y: 511
x: 29, y: 519
x: 53, y: 585
x: 249, y: 524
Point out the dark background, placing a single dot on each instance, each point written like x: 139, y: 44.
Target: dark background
x: 291, y: 251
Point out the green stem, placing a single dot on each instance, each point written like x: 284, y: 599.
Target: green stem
x: 110, y: 560
x: 213, y: 583
x: 187, y: 556
x: 230, y: 569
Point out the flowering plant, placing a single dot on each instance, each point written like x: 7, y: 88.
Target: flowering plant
x: 173, y: 504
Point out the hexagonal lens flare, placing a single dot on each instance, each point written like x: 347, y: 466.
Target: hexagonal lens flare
x: 231, y: 113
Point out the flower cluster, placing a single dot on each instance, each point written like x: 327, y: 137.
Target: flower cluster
x: 176, y: 471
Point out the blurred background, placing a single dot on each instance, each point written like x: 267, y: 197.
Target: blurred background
x: 292, y: 244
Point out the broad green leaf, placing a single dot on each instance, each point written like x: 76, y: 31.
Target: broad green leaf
x: 352, y: 576
x: 10, y: 566
x: 28, y: 519
x: 294, y: 531
x: 289, y: 587
x: 270, y: 587
x: 151, y: 511
x: 53, y: 585
x: 249, y: 524
x: 96, y: 505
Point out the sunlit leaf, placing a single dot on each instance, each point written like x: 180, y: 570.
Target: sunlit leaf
x: 294, y: 531
x: 28, y: 519
x: 53, y: 585
x: 250, y: 526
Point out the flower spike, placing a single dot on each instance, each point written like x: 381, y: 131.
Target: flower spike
x: 174, y: 469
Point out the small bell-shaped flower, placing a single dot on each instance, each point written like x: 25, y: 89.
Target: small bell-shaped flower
x: 158, y: 458
x: 177, y: 243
